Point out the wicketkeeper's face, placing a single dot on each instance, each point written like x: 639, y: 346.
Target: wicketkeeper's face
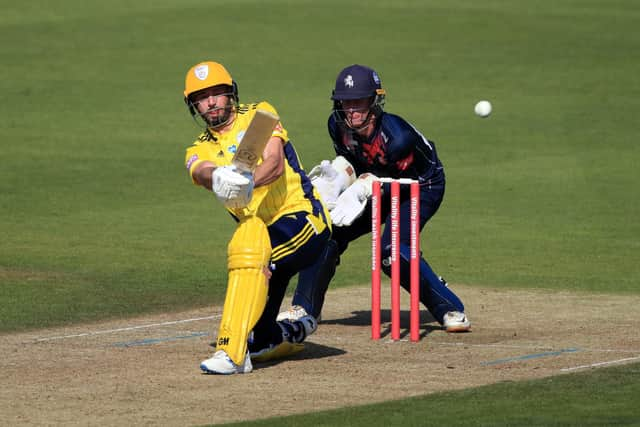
x: 357, y: 111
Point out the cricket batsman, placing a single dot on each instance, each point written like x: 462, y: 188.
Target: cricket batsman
x: 281, y: 223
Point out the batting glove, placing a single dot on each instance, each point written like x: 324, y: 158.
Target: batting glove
x: 232, y: 187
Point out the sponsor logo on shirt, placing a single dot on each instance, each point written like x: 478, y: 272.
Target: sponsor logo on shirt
x: 191, y: 160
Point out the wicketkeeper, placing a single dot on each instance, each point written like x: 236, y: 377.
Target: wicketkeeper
x: 282, y: 224
x: 370, y: 143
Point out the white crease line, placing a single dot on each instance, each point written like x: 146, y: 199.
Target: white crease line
x: 594, y: 365
x: 535, y: 347
x: 517, y: 346
x: 130, y: 328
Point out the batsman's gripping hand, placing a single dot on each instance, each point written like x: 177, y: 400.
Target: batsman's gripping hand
x: 351, y: 203
x: 232, y: 187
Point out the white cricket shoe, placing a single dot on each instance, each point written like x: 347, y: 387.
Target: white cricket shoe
x: 309, y: 323
x: 296, y: 331
x: 222, y: 364
x: 456, y: 321
x: 294, y: 313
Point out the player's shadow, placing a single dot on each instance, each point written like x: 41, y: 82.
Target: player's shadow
x: 363, y: 318
x: 312, y: 351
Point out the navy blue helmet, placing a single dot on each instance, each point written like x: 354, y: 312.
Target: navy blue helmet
x: 358, y: 82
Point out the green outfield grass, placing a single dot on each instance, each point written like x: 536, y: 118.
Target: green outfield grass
x: 99, y: 218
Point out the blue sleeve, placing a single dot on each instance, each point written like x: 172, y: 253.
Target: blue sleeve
x: 403, y: 138
x: 406, y: 143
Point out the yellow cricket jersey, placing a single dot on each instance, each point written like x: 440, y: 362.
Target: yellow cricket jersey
x: 291, y: 192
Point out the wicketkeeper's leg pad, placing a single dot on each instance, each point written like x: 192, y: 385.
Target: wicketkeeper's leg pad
x: 434, y: 294
x: 313, y: 281
x: 248, y: 254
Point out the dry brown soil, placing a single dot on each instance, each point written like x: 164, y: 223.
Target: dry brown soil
x: 144, y: 371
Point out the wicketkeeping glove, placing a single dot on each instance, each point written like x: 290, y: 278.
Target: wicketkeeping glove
x: 331, y: 179
x: 232, y: 187
x: 351, y: 203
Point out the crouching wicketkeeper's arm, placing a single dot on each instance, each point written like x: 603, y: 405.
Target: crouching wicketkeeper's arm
x: 331, y: 178
x: 351, y: 203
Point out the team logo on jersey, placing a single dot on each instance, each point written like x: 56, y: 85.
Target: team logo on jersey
x: 232, y: 148
x: 374, y: 152
x: 348, y: 81
x: 201, y: 71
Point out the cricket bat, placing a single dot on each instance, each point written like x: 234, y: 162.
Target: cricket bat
x: 255, y: 140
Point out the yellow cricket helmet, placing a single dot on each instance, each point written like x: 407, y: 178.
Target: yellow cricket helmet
x: 206, y: 74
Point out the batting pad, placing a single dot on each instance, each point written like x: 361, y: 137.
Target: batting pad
x: 248, y: 256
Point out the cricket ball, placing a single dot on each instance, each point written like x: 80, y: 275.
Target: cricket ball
x: 483, y: 108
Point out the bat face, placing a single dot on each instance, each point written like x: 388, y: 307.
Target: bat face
x: 255, y: 140
x: 245, y: 157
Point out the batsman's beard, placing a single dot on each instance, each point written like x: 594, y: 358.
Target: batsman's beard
x: 218, y: 121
